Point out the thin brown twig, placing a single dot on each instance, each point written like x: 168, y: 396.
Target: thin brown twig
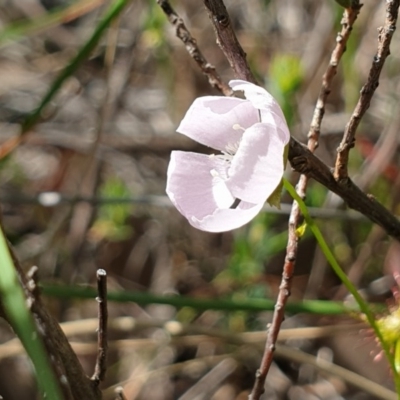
x: 349, y: 17
x: 101, y: 366
x: 227, y: 39
x: 347, y: 22
x: 360, y: 382
x: 191, y: 46
x: 384, y: 39
x: 30, y: 285
x: 75, y: 383
x: 305, y: 162
x: 182, y: 334
x: 208, y: 362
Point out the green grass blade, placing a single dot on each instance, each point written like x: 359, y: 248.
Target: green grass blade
x: 143, y: 298
x: 14, y: 303
x: 364, y: 307
x: 113, y: 11
x: 49, y: 20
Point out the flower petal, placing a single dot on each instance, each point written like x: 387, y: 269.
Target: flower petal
x: 210, y: 120
x: 227, y: 219
x: 258, y: 166
x: 194, y: 185
x: 270, y: 110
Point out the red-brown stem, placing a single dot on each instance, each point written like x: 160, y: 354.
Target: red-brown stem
x: 227, y: 40
x: 190, y: 43
x: 368, y: 90
x: 349, y: 17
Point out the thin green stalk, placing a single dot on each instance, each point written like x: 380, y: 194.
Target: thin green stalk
x: 14, y: 304
x: 52, y: 18
x: 345, y: 280
x: 143, y: 298
x: 113, y: 11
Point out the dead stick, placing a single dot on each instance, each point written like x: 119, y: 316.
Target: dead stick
x: 303, y: 161
x: 384, y: 39
x: 227, y: 39
x: 101, y: 362
x: 56, y: 343
x: 349, y: 17
x: 347, y: 22
x: 191, y: 46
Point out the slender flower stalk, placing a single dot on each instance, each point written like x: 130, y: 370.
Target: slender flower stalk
x: 382, y: 336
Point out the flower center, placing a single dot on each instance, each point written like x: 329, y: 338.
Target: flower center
x: 230, y: 150
x: 227, y: 155
x: 221, y: 173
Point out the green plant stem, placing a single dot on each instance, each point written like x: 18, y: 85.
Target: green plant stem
x: 255, y: 305
x: 344, y: 279
x: 52, y: 18
x: 14, y: 303
x: 113, y: 11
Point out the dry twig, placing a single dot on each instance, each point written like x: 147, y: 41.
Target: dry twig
x: 384, y: 38
x: 303, y: 161
x: 227, y: 39
x: 101, y: 367
x: 76, y: 384
x: 376, y: 390
x: 349, y: 17
x: 191, y: 46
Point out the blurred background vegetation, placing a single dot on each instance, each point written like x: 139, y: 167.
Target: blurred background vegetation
x: 86, y: 190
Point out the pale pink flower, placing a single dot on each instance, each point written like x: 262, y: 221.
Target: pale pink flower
x: 221, y: 192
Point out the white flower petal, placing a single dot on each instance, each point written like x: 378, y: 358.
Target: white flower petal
x: 222, y: 196
x: 212, y: 120
x: 193, y: 188
x: 228, y: 219
x: 257, y: 168
x: 269, y: 108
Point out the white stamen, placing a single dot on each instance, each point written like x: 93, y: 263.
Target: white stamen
x: 214, y: 173
x: 237, y: 127
x: 227, y: 154
x: 227, y: 157
x: 232, y: 148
